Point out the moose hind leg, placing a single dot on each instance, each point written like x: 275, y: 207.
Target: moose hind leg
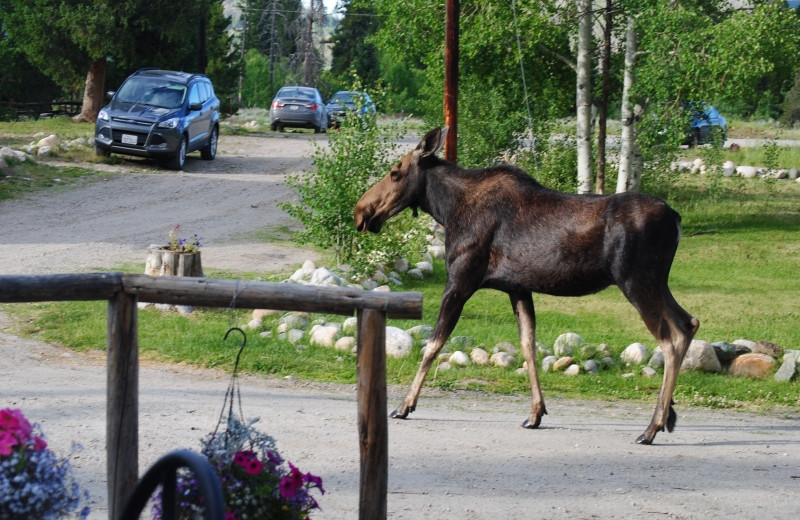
x: 526, y: 322
x: 674, y: 332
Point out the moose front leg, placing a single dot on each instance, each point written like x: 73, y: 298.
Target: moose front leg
x: 452, y: 304
x: 526, y: 322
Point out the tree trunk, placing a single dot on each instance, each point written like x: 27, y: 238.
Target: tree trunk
x: 583, y: 97
x: 93, y: 91
x: 602, y: 116
x: 628, y: 134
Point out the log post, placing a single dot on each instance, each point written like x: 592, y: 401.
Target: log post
x: 373, y: 428
x: 122, y: 401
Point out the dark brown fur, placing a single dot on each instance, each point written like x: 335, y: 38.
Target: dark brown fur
x: 506, y: 231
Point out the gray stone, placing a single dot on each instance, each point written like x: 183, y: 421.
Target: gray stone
x: 792, y: 174
x: 505, y: 346
x: 459, y: 358
x: 324, y: 277
x: 590, y: 366
x: 572, y: 370
x: 420, y: 332
x: 748, y: 172
x: 502, y: 359
x: 425, y: 267
x: 608, y: 362
x: 398, y: 342
x: 462, y: 342
x: 350, y: 326
x: 649, y: 371
x: 415, y: 274
x: 588, y: 352
x: 324, y: 335
x: 725, y: 351
x: 294, y: 321
x: 294, y: 336
x: 728, y: 168
x: 744, y: 346
x: 567, y: 344
x: 479, y: 356
x: 701, y: 357
x: 635, y: 354
x: 401, y: 265
x: 788, y: 369
x: 548, y: 362
x: 656, y: 360
x: 345, y: 343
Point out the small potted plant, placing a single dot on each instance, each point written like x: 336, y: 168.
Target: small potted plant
x: 179, y: 257
x: 34, y: 482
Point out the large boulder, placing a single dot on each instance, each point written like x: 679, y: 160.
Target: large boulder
x: 635, y: 354
x: 752, y: 365
x: 398, y: 342
x: 568, y: 344
x: 701, y: 357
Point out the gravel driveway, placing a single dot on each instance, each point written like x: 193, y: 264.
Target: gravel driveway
x: 461, y: 455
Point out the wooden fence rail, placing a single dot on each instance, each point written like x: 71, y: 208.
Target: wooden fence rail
x: 123, y: 291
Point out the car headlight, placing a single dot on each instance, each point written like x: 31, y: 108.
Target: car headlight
x: 103, y: 115
x: 170, y: 123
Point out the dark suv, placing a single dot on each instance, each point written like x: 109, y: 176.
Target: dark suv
x: 161, y: 114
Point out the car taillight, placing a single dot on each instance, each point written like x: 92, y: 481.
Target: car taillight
x: 312, y: 106
x: 276, y: 104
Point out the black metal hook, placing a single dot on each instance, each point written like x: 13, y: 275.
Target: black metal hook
x: 244, y: 336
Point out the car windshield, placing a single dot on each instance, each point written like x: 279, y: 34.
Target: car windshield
x: 296, y: 92
x: 158, y: 92
x: 342, y: 98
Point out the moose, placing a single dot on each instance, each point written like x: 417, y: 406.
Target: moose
x: 506, y: 231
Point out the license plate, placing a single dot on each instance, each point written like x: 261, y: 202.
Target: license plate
x: 129, y: 139
x: 294, y: 107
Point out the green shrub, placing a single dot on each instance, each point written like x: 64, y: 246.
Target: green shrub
x: 357, y: 153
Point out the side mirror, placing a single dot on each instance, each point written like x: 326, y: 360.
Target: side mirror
x: 195, y: 106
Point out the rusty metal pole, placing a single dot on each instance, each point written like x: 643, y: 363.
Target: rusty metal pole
x: 451, y: 80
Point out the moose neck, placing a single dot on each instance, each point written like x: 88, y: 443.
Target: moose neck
x: 443, y: 188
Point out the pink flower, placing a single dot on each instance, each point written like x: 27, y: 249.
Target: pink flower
x: 39, y: 444
x: 15, y: 423
x: 254, y: 466
x: 287, y: 487
x: 7, y: 443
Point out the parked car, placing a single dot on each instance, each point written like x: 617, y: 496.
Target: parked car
x: 345, y: 101
x: 161, y: 114
x: 298, y: 107
x: 706, y: 125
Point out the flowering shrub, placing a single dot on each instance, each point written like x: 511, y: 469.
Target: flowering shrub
x: 183, y: 245
x: 255, y: 482
x: 34, y: 483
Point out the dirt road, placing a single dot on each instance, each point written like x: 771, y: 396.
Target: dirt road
x: 459, y: 456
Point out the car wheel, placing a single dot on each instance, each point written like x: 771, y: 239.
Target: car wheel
x: 100, y: 152
x: 179, y: 159
x: 210, y: 150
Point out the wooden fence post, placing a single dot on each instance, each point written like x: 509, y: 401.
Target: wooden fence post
x: 122, y: 403
x: 373, y: 428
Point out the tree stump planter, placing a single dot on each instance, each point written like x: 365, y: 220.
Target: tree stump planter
x: 164, y: 262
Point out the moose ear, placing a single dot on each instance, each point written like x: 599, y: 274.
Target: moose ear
x: 432, y: 142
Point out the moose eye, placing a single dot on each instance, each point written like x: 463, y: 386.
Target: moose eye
x: 395, y: 175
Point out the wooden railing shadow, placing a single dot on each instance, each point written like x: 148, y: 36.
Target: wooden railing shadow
x: 123, y: 291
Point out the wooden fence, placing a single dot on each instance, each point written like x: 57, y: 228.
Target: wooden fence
x: 123, y: 291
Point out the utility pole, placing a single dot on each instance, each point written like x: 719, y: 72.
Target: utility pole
x: 451, y: 80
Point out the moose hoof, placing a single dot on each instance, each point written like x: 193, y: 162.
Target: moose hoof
x: 643, y: 439
x: 671, y: 420
x: 398, y: 415
x: 531, y: 425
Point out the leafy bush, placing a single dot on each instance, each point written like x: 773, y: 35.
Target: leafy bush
x: 358, y: 152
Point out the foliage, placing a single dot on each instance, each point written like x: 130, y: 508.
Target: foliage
x: 271, y: 27
x: 352, y: 50
x: 255, y: 482
x: 183, y: 245
x: 261, y: 82
x: 34, y: 482
x: 553, y: 164
x: 357, y: 151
